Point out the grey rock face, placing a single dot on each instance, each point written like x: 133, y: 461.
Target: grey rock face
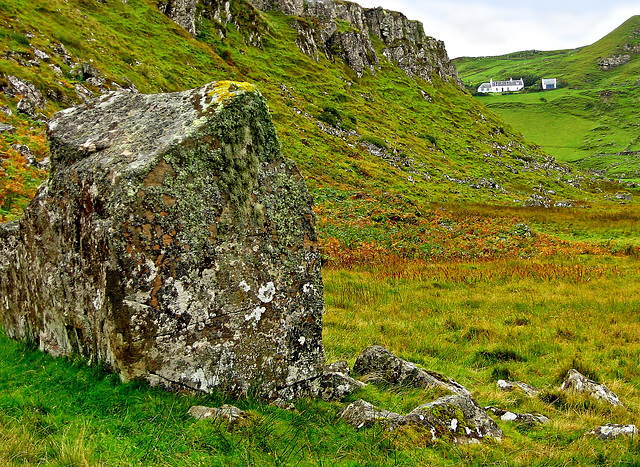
x: 182, y: 12
x: 610, y: 431
x: 173, y: 242
x: 577, y: 382
x: 378, y: 364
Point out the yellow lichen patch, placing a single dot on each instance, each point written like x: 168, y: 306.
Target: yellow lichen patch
x: 224, y: 90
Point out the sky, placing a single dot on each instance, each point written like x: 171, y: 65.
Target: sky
x: 481, y: 28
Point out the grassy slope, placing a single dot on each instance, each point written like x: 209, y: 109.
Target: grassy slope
x: 589, y: 122
x: 451, y: 137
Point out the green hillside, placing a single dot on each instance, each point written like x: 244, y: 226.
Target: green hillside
x: 592, y: 121
x: 394, y: 143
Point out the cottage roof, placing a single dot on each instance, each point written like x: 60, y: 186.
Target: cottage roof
x: 509, y: 82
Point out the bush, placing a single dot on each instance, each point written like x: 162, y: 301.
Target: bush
x: 382, y: 144
x: 330, y: 116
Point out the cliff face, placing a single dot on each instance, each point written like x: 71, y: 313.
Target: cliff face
x: 338, y: 28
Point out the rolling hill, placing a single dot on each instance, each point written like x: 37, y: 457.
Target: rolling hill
x: 592, y: 121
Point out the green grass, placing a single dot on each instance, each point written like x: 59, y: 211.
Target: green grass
x: 475, y: 322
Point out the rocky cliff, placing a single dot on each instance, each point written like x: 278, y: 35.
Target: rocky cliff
x: 333, y: 28
x: 172, y: 242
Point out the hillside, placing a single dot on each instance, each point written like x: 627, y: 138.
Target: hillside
x: 378, y: 140
x: 446, y: 237
x: 597, y: 102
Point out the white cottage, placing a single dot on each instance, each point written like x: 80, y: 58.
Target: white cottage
x: 510, y: 85
x: 549, y: 83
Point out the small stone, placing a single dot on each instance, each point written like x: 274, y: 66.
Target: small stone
x: 8, y: 128
x: 282, y: 404
x: 529, y: 419
x: 610, y: 431
x: 335, y: 386
x: 5, y: 109
x: 25, y: 152
x: 40, y: 55
x: 508, y: 386
x: 229, y: 413
x: 577, y: 382
x: 362, y: 413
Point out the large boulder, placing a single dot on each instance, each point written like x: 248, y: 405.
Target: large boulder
x: 172, y: 242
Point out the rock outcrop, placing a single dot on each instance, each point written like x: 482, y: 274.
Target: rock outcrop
x: 172, y: 242
x: 405, y: 42
x: 332, y: 28
x: 577, y: 382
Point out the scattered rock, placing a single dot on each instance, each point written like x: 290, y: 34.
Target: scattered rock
x: 529, y: 419
x: 5, y: 109
x: 335, y: 386
x: 56, y: 69
x: 40, y: 55
x: 28, y: 108
x: 173, y: 242
x: 466, y: 421
x: 577, y: 382
x: 30, y: 93
x: 511, y: 385
x: 282, y: 404
x: 610, y: 431
x: 624, y: 196
x: 228, y: 413
x: 522, y: 230
x: 25, y: 152
x: 8, y: 128
x: 83, y: 93
x: 362, y: 413
x: 378, y: 364
x: 454, y: 418
x: 563, y: 204
x: 613, y: 61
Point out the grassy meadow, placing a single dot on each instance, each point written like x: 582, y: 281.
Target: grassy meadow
x: 476, y: 322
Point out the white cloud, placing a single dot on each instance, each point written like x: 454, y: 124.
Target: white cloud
x: 484, y: 28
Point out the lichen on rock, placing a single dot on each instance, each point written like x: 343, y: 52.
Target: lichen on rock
x: 172, y: 242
